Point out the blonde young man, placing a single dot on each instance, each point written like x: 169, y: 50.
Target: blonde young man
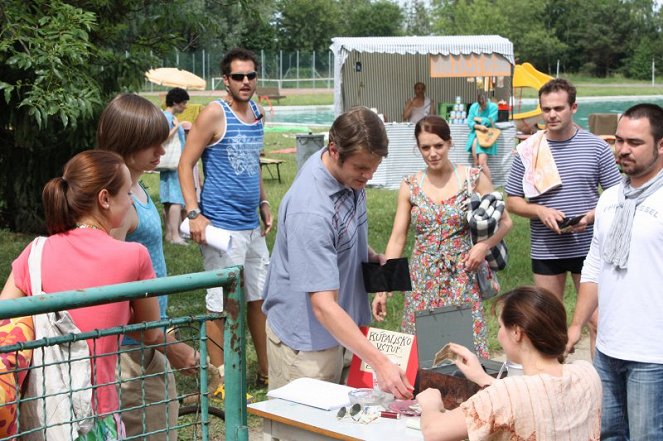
x: 585, y: 163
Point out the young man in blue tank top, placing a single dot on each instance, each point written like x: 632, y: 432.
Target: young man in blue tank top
x: 228, y: 136
x: 584, y: 162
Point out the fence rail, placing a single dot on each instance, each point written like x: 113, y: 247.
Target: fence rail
x: 276, y: 68
x: 234, y: 342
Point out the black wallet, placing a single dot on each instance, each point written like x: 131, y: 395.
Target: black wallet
x: 394, y: 275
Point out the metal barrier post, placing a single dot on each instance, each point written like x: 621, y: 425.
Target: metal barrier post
x: 234, y: 356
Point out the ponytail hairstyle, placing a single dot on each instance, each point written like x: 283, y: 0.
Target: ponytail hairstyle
x: 541, y: 317
x: 74, y: 195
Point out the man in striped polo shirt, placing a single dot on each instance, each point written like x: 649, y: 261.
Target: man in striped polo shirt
x: 228, y: 136
x: 584, y: 162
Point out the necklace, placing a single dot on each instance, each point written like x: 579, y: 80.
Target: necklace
x: 94, y: 227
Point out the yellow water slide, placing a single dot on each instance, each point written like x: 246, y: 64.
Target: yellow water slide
x: 526, y: 76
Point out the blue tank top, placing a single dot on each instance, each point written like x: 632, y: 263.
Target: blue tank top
x: 149, y: 233
x: 231, y: 192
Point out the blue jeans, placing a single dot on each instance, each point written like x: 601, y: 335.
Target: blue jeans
x: 632, y: 399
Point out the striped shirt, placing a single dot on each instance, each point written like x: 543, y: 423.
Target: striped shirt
x: 231, y: 192
x: 584, y: 162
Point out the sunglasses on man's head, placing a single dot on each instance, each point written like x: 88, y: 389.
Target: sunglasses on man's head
x: 240, y: 76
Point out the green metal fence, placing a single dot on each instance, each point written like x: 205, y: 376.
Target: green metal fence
x: 199, y: 427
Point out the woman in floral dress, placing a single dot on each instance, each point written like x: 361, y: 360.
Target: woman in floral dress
x: 443, y: 261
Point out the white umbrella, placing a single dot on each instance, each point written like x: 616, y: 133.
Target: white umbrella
x: 174, y: 77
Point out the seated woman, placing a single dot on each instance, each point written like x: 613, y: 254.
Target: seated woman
x: 481, y: 116
x: 551, y: 401
x: 419, y: 105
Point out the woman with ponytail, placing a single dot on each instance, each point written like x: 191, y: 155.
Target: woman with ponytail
x: 91, y: 198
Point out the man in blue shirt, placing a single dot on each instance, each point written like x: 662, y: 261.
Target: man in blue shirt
x: 315, y: 296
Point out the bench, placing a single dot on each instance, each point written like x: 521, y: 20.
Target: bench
x: 268, y: 162
x: 270, y: 93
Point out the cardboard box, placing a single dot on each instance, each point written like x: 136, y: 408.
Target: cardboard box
x: 434, y: 329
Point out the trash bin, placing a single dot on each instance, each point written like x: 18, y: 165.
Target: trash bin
x: 307, y: 145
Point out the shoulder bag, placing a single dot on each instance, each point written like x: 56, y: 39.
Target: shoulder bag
x: 57, y: 401
x: 171, y: 158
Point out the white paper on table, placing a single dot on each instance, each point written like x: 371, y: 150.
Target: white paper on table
x: 215, y: 237
x: 316, y: 393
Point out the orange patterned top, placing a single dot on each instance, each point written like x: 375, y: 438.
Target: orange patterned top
x: 538, y: 407
x: 13, y: 369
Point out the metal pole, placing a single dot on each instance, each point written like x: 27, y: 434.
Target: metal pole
x: 177, y: 58
x: 118, y: 293
x: 280, y: 67
x: 203, y: 57
x: 557, y: 74
x: 313, y: 69
x: 329, y: 69
x: 298, y: 69
x: 262, y: 67
x: 653, y: 72
x: 234, y: 358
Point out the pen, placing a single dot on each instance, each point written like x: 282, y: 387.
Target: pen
x: 389, y: 414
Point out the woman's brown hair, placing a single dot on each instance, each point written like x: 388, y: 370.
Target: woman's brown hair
x: 540, y: 315
x: 129, y: 124
x: 432, y: 124
x: 68, y: 198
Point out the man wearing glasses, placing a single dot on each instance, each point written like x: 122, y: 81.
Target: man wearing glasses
x: 228, y: 136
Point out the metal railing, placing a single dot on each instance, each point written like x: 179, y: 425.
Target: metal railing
x: 234, y: 343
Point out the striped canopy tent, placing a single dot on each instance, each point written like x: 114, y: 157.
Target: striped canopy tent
x: 380, y: 72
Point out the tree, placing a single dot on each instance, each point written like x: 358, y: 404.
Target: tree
x: 418, y: 19
x: 365, y: 18
x: 307, y: 25
x: 60, y: 62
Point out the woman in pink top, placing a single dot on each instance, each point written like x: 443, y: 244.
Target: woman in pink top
x: 550, y: 401
x: 81, y: 207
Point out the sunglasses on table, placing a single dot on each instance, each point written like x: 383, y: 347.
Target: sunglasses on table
x: 352, y: 412
x: 240, y: 76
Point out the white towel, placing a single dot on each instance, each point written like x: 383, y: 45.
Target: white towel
x: 541, y: 174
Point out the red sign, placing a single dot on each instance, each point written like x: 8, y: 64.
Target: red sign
x: 400, y: 348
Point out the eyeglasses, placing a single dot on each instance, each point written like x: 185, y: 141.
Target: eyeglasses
x: 240, y: 76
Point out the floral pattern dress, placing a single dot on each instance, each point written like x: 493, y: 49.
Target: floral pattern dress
x: 442, y: 240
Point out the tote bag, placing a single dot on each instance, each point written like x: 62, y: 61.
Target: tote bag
x: 56, y: 369
x: 171, y: 158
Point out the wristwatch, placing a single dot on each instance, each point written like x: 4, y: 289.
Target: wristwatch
x: 192, y: 214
